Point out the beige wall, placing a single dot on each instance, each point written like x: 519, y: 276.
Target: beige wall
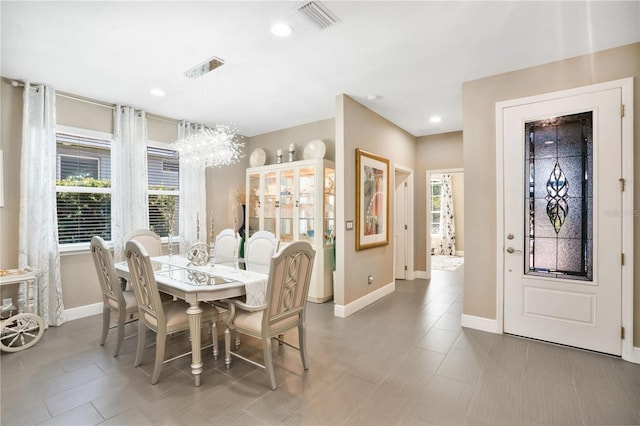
x: 479, y: 99
x: 223, y: 185
x: 10, y: 136
x: 457, y: 182
x: 434, y: 152
x: 359, y: 127
x: 84, y: 115
x: 298, y: 135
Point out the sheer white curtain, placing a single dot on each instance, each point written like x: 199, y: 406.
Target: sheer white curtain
x: 38, y: 229
x: 129, y: 179
x: 447, y: 224
x: 193, y: 196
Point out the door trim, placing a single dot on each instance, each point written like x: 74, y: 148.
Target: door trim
x: 411, y: 272
x: 627, y: 212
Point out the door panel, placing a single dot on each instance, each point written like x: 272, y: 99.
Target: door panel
x: 562, y: 161
x: 400, y: 218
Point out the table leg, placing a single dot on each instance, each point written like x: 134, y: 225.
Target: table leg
x: 194, y: 313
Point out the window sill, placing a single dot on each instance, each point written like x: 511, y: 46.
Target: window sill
x: 74, y: 249
x: 84, y: 248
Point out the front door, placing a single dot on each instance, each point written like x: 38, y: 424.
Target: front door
x: 562, y: 221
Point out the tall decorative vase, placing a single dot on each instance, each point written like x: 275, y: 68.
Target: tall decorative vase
x: 241, y: 232
x: 241, y: 229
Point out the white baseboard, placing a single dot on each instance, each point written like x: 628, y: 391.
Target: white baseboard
x: 83, y: 311
x: 422, y: 274
x: 411, y: 275
x: 632, y: 357
x: 480, y: 323
x: 344, y: 311
x: 460, y: 253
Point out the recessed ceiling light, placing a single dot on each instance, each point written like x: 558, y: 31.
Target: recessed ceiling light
x: 281, y: 29
x: 157, y: 92
x: 435, y: 119
x: 374, y: 97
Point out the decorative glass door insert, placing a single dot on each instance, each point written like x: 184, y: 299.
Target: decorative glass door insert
x: 306, y: 203
x: 285, y: 204
x: 254, y: 204
x: 559, y: 197
x: 271, y: 201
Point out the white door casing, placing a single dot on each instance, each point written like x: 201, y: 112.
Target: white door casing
x: 586, y: 314
x: 400, y: 219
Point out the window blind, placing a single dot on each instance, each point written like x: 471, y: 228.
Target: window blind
x: 83, y: 188
x: 164, y: 188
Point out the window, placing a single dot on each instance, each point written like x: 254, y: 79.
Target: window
x: 436, y: 191
x: 83, y: 187
x: 164, y: 190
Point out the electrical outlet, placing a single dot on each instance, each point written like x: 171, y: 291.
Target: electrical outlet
x: 370, y: 279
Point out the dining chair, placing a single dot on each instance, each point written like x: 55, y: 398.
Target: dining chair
x: 114, y: 299
x: 149, y: 240
x: 162, y: 318
x: 227, y: 245
x: 284, y: 308
x: 261, y: 246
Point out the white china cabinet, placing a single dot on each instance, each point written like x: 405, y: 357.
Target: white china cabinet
x: 296, y: 202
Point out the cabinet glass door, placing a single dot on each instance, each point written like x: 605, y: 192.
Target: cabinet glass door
x: 253, y: 206
x: 329, y: 205
x: 306, y: 203
x: 287, y: 197
x: 270, y: 208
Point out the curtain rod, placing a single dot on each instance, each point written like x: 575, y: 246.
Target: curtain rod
x: 18, y: 83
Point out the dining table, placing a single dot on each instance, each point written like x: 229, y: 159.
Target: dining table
x: 214, y: 281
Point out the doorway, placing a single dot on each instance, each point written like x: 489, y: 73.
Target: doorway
x: 561, y: 242
x: 445, y: 219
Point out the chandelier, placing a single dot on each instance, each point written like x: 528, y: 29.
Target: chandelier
x: 210, y: 147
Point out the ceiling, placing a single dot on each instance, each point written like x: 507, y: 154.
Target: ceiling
x: 414, y: 56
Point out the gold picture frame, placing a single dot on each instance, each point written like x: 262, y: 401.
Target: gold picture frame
x: 372, y: 200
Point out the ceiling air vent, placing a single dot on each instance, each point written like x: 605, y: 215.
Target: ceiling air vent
x: 317, y: 14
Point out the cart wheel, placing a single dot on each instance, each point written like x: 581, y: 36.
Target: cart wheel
x: 20, y: 332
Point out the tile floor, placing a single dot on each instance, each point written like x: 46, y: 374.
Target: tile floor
x: 402, y: 361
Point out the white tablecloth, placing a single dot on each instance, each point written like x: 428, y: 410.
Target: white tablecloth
x: 255, y: 283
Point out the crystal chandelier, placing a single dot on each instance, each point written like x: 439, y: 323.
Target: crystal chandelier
x: 210, y: 147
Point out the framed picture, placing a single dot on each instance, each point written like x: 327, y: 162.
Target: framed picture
x: 372, y: 200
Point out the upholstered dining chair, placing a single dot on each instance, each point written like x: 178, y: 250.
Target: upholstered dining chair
x: 114, y: 299
x: 227, y: 245
x: 149, y: 240
x: 284, y: 308
x: 162, y: 318
x: 260, y: 247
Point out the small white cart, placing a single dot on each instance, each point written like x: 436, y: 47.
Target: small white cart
x: 23, y: 329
